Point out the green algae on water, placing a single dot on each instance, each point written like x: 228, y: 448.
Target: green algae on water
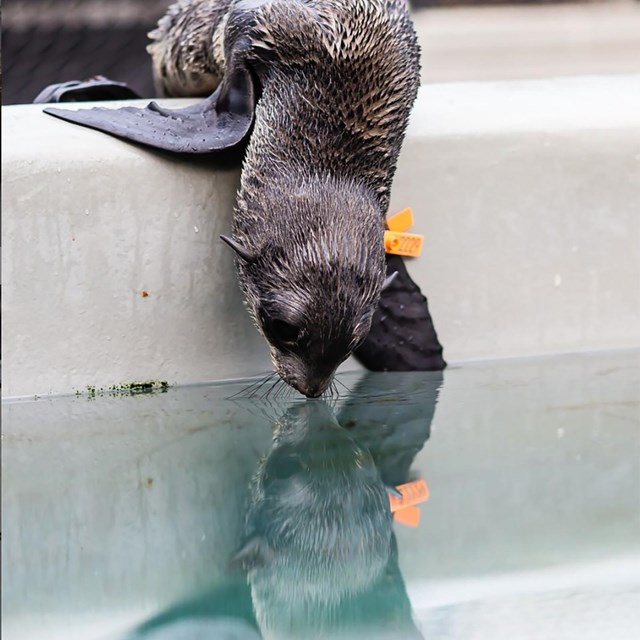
x: 128, y: 388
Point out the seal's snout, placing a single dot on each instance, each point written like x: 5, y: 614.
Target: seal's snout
x: 313, y: 387
x: 314, y: 392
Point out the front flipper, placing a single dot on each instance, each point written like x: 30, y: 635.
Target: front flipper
x: 219, y: 122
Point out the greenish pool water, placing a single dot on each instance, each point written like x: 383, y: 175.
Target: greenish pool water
x: 121, y: 515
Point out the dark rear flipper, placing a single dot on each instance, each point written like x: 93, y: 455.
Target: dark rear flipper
x: 221, y: 121
x: 402, y: 336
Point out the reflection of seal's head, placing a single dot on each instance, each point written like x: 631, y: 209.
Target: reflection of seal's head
x: 318, y: 525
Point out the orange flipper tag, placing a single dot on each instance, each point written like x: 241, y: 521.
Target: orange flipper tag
x: 401, y: 221
x: 405, y: 509
x: 396, y: 238
x: 403, y: 244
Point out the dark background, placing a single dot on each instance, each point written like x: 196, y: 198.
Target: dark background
x: 50, y: 41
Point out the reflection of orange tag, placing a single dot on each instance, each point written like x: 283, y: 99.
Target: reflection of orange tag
x: 403, y: 244
x: 409, y: 516
x: 405, y: 509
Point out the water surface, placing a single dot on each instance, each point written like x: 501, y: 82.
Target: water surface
x: 122, y: 515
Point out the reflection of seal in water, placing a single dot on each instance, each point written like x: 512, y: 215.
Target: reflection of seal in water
x: 311, y: 497
x: 328, y: 86
x: 320, y: 553
x: 394, y: 432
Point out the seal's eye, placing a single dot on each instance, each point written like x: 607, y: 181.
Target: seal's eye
x: 283, y: 331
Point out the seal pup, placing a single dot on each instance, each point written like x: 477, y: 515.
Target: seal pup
x: 323, y: 89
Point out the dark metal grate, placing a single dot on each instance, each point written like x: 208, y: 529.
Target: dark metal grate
x: 51, y: 41
x: 36, y: 58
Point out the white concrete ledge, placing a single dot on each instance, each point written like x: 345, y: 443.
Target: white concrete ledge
x: 532, y: 41
x: 527, y: 192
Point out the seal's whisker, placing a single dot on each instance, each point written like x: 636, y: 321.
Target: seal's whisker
x: 265, y: 381
x: 242, y: 391
x: 262, y: 383
x: 250, y: 390
x: 285, y: 391
x: 245, y: 390
x: 267, y: 392
x: 271, y: 388
x: 257, y: 382
x: 343, y: 384
x: 278, y: 390
x: 328, y: 393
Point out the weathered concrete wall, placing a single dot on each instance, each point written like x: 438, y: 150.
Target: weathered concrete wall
x: 527, y: 193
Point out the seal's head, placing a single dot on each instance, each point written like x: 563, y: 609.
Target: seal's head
x: 312, y: 279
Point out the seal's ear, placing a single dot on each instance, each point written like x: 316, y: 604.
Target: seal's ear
x: 241, y: 252
x: 253, y: 554
x: 219, y: 122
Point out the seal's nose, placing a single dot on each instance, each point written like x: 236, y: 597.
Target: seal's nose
x: 314, y: 388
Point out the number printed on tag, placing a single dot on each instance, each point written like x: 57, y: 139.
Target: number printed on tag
x: 403, y: 244
x: 413, y: 493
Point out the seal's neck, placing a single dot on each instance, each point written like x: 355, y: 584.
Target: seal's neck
x: 307, y: 200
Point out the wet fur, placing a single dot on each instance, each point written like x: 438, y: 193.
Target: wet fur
x: 337, y: 79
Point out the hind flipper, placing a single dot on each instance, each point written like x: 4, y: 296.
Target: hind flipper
x: 402, y: 335
x: 221, y: 121
x: 199, y: 128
